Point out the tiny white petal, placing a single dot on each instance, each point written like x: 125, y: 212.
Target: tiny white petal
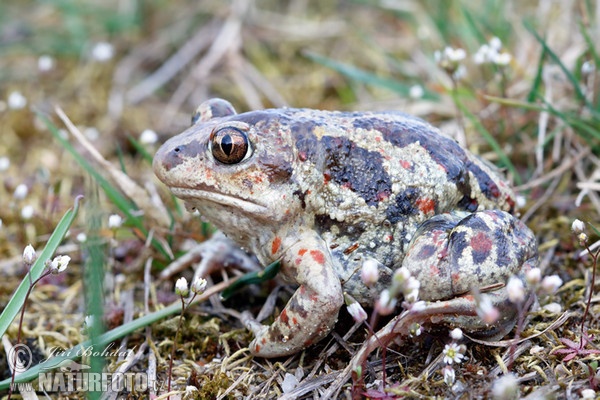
x: 550, y: 284
x: 81, y: 237
x: 21, y: 191
x: 506, y: 387
x: 115, y: 221
x: 456, y: 334
x: 148, y: 136
x: 27, y: 212
x: 92, y: 133
x: 588, y: 394
x: 553, y: 308
x: 16, y: 100
x: 357, y: 312
x: 369, y: 272
x: 181, y: 287
x: 29, y: 255
x: 495, y: 43
x: 502, y: 59
x: 578, y: 226
x: 533, y: 276
x: 515, y: 290
x: 416, y: 92
x: 588, y: 67
x: 199, y: 285
x: 103, y: 51
x: 4, y: 163
x: 45, y: 63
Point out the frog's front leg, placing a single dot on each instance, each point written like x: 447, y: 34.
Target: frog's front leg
x: 313, y: 309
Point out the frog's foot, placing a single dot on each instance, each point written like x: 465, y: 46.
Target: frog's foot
x: 306, y: 319
x: 214, y: 254
x: 458, y: 312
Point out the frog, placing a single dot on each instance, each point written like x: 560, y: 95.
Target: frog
x: 323, y: 192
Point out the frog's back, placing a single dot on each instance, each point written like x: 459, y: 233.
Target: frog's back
x: 387, y: 166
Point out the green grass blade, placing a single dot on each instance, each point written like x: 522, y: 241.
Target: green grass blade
x: 560, y: 64
x: 121, y: 202
x: 359, y: 75
x: 490, y: 140
x: 18, y: 298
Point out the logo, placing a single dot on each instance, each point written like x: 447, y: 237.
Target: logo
x: 69, y: 376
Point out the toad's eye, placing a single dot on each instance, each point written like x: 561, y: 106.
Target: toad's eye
x: 229, y: 145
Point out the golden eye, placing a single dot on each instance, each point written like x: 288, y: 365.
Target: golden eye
x: 229, y: 145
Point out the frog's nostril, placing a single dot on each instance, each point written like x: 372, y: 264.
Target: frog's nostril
x: 177, y: 149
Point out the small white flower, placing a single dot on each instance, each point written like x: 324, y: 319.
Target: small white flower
x: 533, y: 276
x: 502, y: 59
x: 486, y: 310
x: 482, y: 55
x: 456, y: 334
x: 415, y: 329
x: 506, y: 387
x: 536, y: 350
x: 553, y: 308
x: 520, y: 200
x: 588, y: 394
x: 181, y: 287
x: 4, y: 163
x: 369, y: 273
x: 386, y: 304
x: 588, y: 67
x: 495, y: 43
x: 357, y: 312
x: 92, y: 133
x: 452, y: 354
x: 59, y: 264
x: 16, y: 100
x: 454, y: 55
x: 81, y: 237
x: 27, y: 212
x: 29, y: 255
x: 449, y: 375
x: 578, y: 226
x: 103, y: 51
x: 45, y: 63
x: 515, y: 290
x: 115, y: 221
x: 416, y: 92
x: 21, y: 191
x: 148, y: 136
x: 550, y: 284
x: 401, y: 275
x: 199, y: 285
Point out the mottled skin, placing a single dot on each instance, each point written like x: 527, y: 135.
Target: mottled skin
x: 323, y: 191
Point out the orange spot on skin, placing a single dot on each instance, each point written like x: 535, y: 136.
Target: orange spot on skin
x: 283, y: 317
x: 275, y: 245
x: 295, y: 320
x: 301, y: 252
x: 264, y: 340
x: 435, y: 271
x: 318, y: 256
x: 405, y: 164
x: 426, y: 205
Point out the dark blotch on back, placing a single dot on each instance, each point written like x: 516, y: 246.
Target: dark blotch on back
x: 404, y: 205
x: 443, y: 150
x: 359, y: 169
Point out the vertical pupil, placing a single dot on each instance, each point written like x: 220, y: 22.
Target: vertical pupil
x: 227, y: 144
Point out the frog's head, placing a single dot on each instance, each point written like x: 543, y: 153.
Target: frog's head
x: 234, y: 168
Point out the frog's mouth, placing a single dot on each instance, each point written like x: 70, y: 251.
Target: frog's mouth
x: 196, y: 196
